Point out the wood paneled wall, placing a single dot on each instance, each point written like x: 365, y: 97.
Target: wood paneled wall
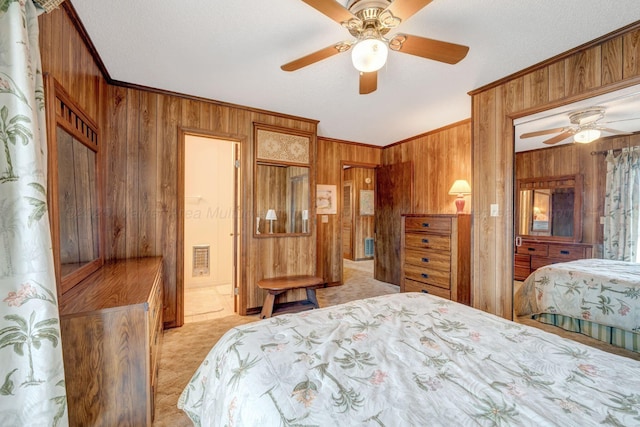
x: 570, y: 159
x: 139, y: 131
x: 332, y: 155
x: 439, y: 158
x: 604, y: 65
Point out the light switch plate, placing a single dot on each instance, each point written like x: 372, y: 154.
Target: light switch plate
x: 325, y: 219
x: 494, y: 209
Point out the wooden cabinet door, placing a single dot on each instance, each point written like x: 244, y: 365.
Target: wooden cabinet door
x: 393, y: 197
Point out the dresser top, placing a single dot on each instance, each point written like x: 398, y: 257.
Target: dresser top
x: 116, y: 284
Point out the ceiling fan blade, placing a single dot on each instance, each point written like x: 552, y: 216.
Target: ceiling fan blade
x: 317, y: 56
x: 613, y: 131
x: 368, y: 82
x: 404, y: 9
x: 564, y: 135
x: 437, y: 50
x: 332, y: 9
x: 542, y: 132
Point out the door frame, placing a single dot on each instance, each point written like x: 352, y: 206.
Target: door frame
x: 343, y: 164
x: 238, y: 285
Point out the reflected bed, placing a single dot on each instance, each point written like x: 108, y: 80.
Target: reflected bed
x: 596, y: 297
x: 407, y: 359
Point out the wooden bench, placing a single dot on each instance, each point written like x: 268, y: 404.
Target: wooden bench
x: 278, y: 285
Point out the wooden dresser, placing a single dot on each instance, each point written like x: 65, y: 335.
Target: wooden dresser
x: 532, y: 254
x: 436, y: 255
x: 111, y: 333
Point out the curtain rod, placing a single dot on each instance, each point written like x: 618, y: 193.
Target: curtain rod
x: 595, y: 153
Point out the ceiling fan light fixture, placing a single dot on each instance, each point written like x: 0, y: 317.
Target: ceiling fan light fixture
x: 586, y: 136
x: 369, y: 55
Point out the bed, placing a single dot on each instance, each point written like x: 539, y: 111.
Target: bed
x: 407, y: 359
x: 597, y: 297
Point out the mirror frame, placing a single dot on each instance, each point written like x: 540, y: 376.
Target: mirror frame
x: 551, y: 182
x: 285, y: 137
x: 63, y: 112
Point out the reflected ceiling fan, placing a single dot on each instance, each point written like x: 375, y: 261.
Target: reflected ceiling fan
x: 586, y: 128
x: 369, y: 21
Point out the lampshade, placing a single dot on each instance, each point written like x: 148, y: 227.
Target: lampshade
x: 460, y: 187
x: 586, y: 136
x: 271, y: 215
x: 369, y: 55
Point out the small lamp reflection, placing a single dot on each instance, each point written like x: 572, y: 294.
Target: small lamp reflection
x: 305, y: 220
x: 271, y: 216
x: 460, y: 188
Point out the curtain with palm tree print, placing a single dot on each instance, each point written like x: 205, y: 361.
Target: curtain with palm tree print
x: 32, y: 390
x: 622, y: 205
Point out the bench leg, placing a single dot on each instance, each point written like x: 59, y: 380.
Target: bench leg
x: 267, y: 306
x: 311, y: 296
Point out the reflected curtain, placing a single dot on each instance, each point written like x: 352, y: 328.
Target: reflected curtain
x: 622, y: 205
x: 32, y: 390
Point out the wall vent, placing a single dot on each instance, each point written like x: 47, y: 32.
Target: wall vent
x: 368, y: 246
x: 200, y: 260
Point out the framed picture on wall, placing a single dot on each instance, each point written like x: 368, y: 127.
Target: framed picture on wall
x: 366, y: 202
x: 326, y: 199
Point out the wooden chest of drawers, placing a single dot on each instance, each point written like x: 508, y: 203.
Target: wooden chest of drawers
x: 111, y: 326
x: 435, y: 255
x: 533, y: 254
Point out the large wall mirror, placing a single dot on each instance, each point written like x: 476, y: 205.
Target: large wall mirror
x: 553, y: 151
x: 74, y: 190
x: 282, y: 202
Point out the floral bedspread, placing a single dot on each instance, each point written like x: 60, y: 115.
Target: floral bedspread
x: 407, y: 359
x: 599, y: 290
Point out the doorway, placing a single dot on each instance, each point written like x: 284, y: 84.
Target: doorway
x: 210, y: 224
x: 358, y: 220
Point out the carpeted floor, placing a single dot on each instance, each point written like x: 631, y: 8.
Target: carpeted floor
x: 183, y: 349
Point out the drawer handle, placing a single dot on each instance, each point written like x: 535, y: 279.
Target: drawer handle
x: 425, y: 275
x: 531, y: 249
x: 425, y: 240
x: 425, y: 259
x: 425, y: 224
x: 424, y: 291
x: 564, y: 252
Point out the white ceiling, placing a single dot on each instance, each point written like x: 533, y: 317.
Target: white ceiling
x: 231, y: 51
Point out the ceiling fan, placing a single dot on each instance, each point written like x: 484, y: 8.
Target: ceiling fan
x: 369, y: 21
x: 586, y: 128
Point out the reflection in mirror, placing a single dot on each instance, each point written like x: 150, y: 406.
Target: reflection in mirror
x: 77, y: 201
x: 550, y: 207
x: 547, y: 212
x: 282, y: 199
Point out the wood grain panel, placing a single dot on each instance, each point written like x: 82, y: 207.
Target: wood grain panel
x: 147, y: 167
x: 631, y: 54
x: 576, y: 75
x: 441, y: 157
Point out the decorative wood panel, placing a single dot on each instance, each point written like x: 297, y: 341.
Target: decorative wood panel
x: 578, y: 74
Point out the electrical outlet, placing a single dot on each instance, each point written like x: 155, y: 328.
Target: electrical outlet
x: 494, y: 209
x: 601, y: 220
